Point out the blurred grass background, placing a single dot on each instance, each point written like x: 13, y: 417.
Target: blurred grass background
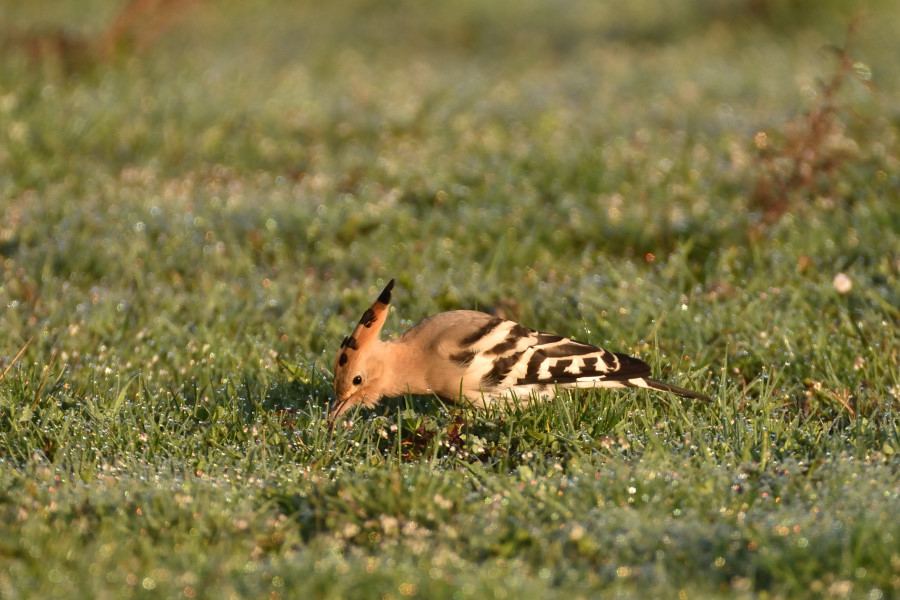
x: 198, y: 200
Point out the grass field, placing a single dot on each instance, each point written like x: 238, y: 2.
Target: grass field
x: 192, y: 218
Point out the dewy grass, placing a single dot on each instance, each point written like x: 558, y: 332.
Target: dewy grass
x: 187, y: 232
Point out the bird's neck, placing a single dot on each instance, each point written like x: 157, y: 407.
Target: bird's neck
x: 407, y: 373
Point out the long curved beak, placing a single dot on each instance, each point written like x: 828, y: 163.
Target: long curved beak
x: 341, y: 406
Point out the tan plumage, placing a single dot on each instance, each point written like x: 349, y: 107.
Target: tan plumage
x: 475, y: 356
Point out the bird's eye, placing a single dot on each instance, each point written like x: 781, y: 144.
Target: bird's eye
x: 357, y: 380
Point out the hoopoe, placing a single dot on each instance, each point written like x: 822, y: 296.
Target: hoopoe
x: 473, y: 356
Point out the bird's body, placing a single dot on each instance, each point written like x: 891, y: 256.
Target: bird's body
x: 476, y: 357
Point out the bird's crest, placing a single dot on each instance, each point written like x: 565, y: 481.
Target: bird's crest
x: 367, y: 330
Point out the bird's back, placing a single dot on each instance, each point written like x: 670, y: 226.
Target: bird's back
x: 487, y: 357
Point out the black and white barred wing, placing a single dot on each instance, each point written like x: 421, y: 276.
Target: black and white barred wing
x: 513, y: 358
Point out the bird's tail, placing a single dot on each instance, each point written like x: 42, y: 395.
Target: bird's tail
x: 652, y: 384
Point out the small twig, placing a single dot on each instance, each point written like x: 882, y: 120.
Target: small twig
x: 17, y: 357
x: 37, y: 396
x: 804, y: 150
x: 843, y: 398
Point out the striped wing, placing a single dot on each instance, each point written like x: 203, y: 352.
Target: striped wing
x: 509, y: 356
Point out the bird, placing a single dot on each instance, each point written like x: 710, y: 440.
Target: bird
x: 471, y: 356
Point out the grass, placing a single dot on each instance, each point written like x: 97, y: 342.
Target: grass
x: 189, y: 227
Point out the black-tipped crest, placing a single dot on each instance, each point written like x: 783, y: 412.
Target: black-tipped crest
x: 385, y: 297
x: 367, y: 329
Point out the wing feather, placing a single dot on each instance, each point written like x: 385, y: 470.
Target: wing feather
x: 510, y: 355
x: 600, y: 365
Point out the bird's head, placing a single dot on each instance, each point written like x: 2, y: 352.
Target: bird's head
x: 358, y: 367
